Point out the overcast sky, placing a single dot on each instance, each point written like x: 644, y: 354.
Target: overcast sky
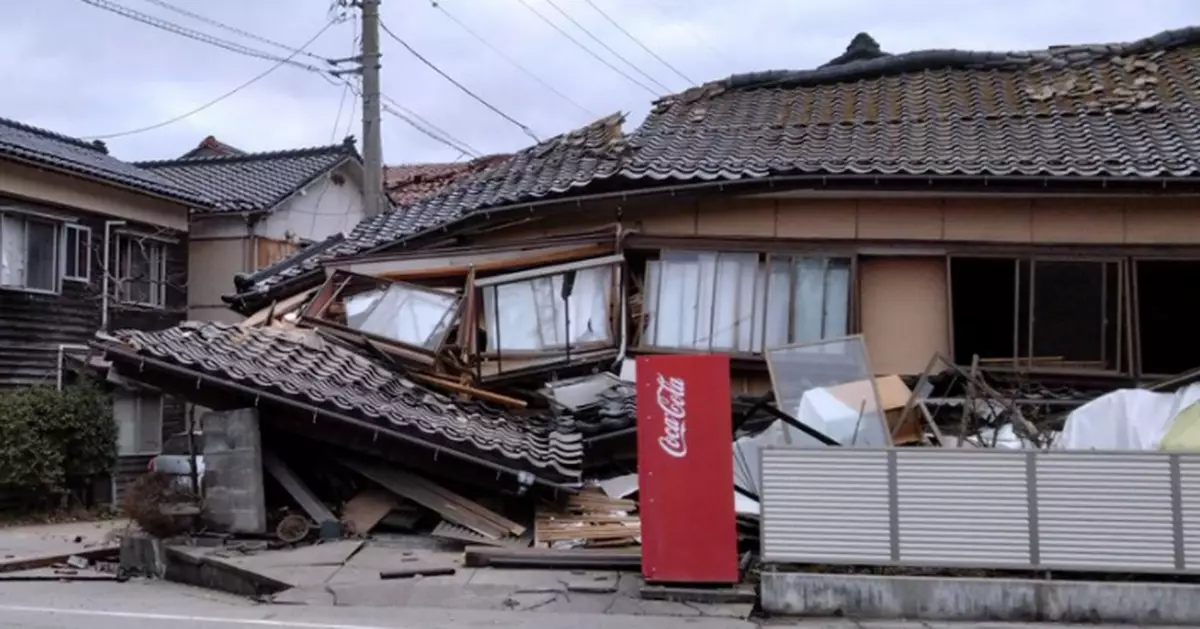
x: 83, y: 71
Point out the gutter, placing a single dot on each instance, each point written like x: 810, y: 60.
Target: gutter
x: 192, y: 203
x: 523, y: 477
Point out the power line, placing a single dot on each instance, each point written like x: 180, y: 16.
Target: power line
x: 639, y: 42
x: 513, y: 62
x: 431, y: 129
x: 218, y: 99
x: 688, y: 27
x: 233, y: 29
x: 586, y: 49
x: 460, y: 86
x: 605, y: 46
x: 172, y: 27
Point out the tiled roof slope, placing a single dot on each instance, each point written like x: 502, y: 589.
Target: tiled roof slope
x: 1120, y: 110
x: 212, y: 147
x: 251, y: 181
x: 300, y: 365
x: 554, y: 166
x: 31, y: 144
x: 1112, y: 110
x: 409, y: 183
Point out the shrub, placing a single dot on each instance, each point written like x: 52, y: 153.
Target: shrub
x: 52, y: 441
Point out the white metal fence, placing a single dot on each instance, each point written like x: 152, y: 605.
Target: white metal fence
x: 934, y: 507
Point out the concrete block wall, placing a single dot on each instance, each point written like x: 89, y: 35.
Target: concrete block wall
x: 233, y: 476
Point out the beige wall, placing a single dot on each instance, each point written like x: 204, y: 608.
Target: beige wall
x: 904, y: 312
x: 1046, y: 221
x: 57, y: 189
x: 212, y: 265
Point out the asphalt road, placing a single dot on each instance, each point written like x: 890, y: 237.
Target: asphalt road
x: 159, y: 605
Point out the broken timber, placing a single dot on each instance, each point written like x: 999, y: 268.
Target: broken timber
x: 302, y: 495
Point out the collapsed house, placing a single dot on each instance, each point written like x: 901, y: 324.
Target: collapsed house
x: 1023, y: 215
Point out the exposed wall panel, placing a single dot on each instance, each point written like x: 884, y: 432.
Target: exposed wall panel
x: 1108, y: 511
x: 78, y: 193
x: 828, y: 505
x: 904, y: 315
x: 989, y: 220
x: 824, y: 218
x: 213, y: 263
x: 1075, y: 221
x: 918, y: 219
x: 944, y: 518
x: 736, y: 217
x: 1162, y: 221
x: 669, y: 220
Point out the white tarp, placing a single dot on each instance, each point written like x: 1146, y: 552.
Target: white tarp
x: 1127, y: 419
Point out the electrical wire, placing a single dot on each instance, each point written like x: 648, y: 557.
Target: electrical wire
x: 636, y: 41
x: 460, y: 86
x: 172, y: 27
x: 513, y: 62
x: 418, y: 121
x: 586, y: 49
x: 218, y: 99
x: 688, y: 27
x: 232, y: 29
x: 605, y: 46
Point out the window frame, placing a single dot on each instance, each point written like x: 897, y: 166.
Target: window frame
x: 761, y: 303
x: 83, y: 240
x: 125, y: 243
x: 139, y: 419
x: 27, y: 218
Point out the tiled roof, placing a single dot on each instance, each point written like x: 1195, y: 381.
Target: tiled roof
x: 1112, y: 110
x: 212, y: 147
x: 251, y: 181
x: 408, y: 183
x: 89, y: 159
x: 301, y: 365
x: 1120, y: 110
x: 554, y: 166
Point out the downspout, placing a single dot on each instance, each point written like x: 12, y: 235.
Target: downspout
x: 623, y: 287
x: 108, y: 225
x: 62, y: 349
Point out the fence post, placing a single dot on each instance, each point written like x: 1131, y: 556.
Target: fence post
x: 1031, y: 506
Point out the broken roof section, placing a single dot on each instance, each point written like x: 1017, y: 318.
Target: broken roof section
x: 251, y: 182
x: 299, y: 368
x: 210, y: 146
x: 408, y: 183
x: 1112, y: 110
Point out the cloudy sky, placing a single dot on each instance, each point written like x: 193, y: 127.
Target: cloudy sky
x: 84, y: 71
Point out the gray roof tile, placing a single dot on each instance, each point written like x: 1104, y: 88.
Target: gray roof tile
x: 26, y: 143
x: 250, y: 181
x: 301, y: 365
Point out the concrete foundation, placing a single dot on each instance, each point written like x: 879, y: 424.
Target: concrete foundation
x: 979, y: 600
x: 233, y: 476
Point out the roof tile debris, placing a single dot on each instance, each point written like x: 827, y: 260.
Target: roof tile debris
x: 409, y: 183
x: 90, y: 159
x: 250, y: 181
x: 301, y: 365
x: 212, y: 147
x: 1107, y: 110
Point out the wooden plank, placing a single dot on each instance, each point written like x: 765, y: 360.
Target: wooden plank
x: 367, y: 508
x: 456, y: 387
x: 45, y: 561
x: 276, y: 309
x: 438, y: 499
x: 296, y: 488
x: 450, y: 530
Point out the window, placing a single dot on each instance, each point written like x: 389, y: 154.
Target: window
x: 142, y: 271
x: 740, y: 302
x: 77, y: 248
x: 139, y: 423
x: 28, y: 253
x: 552, y: 312
x: 402, y: 312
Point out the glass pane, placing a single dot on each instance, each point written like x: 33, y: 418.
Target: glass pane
x: 809, y: 320
x: 13, y: 254
x: 71, y: 257
x: 125, y: 414
x: 532, y: 315
x: 42, y: 271
x: 829, y: 386
x: 359, y: 306
x: 837, y: 299
x: 409, y: 315
x: 1068, y: 312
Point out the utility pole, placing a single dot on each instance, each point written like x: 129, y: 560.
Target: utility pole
x: 373, y: 199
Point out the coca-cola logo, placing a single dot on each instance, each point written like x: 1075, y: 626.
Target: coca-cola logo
x: 672, y: 399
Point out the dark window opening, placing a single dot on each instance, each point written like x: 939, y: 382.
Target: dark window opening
x: 1167, y: 302
x: 1036, y: 313
x: 982, y: 302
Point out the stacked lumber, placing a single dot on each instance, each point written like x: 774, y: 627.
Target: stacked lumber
x: 588, y: 519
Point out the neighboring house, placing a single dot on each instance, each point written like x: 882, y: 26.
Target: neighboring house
x: 88, y: 242
x: 263, y: 207
x: 1036, y: 209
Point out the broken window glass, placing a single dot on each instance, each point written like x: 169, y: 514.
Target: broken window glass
x: 829, y: 386
x: 733, y: 302
x: 403, y: 313
x: 537, y: 314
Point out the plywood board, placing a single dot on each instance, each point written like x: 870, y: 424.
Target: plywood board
x: 368, y: 508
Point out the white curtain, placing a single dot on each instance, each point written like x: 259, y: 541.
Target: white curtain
x: 531, y: 315
x: 13, y: 254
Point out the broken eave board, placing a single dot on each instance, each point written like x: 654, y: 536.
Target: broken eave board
x: 438, y: 499
x: 277, y: 309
